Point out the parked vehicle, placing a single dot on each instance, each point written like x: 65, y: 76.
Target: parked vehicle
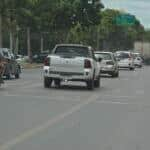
x: 72, y: 62
x: 12, y: 68
x: 125, y: 59
x: 39, y: 58
x: 109, y: 64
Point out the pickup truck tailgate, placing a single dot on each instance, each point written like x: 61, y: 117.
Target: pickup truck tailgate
x: 73, y: 64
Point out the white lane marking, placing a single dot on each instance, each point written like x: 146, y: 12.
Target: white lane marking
x: 138, y: 104
x: 47, y: 124
x: 117, y: 96
x: 51, y: 98
x: 14, y: 83
x: 114, y: 102
x: 77, y: 99
x: 140, y: 92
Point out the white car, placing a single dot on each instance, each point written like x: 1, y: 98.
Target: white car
x: 72, y: 62
x: 109, y: 63
x: 125, y: 59
x: 138, y: 62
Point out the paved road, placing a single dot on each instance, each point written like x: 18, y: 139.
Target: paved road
x: 114, y: 117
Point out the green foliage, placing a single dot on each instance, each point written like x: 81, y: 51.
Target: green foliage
x: 146, y: 36
x: 115, y: 36
x: 71, y: 21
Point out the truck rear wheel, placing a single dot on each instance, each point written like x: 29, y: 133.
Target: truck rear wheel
x: 47, y: 82
x: 132, y: 68
x: 8, y: 76
x: 97, y: 83
x: 17, y: 76
x: 57, y: 82
x: 90, y: 84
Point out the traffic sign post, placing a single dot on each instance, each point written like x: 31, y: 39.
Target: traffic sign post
x: 125, y: 20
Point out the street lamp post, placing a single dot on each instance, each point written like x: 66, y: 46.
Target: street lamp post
x: 42, y: 40
x: 0, y: 30
x: 11, y: 19
x: 17, y: 40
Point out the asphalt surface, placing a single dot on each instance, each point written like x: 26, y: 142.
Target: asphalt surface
x: 114, y: 117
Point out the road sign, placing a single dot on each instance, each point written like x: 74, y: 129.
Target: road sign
x: 125, y: 19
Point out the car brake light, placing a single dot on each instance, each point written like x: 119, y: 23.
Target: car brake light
x: 130, y: 57
x: 87, y: 64
x: 47, y: 61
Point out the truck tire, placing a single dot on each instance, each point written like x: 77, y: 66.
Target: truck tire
x: 115, y: 74
x: 90, y: 84
x: 8, y: 76
x: 132, y: 68
x: 47, y: 82
x: 57, y: 82
x: 97, y: 83
x: 17, y: 76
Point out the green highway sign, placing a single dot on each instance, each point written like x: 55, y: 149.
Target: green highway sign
x: 125, y: 19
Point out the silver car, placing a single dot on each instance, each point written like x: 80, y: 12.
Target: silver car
x: 125, y: 59
x: 109, y: 63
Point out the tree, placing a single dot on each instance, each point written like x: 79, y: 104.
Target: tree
x: 116, y: 36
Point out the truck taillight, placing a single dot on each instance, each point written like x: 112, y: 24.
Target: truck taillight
x: 47, y: 61
x: 130, y: 57
x: 87, y: 64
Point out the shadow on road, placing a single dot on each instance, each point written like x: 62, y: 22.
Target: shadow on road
x: 77, y: 88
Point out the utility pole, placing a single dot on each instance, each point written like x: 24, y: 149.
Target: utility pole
x: 17, y: 40
x: 1, y: 37
x: 98, y: 38
x: 29, y: 44
x: 42, y: 43
x: 11, y: 39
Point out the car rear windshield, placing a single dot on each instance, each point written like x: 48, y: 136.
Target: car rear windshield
x: 72, y: 51
x: 104, y: 56
x: 123, y: 55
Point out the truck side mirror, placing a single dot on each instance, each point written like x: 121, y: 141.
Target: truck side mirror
x: 99, y: 59
x: 118, y: 59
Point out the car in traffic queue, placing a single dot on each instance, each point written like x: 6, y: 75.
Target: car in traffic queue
x: 138, y: 61
x: 12, y: 68
x: 125, y: 59
x: 108, y: 63
x: 72, y: 62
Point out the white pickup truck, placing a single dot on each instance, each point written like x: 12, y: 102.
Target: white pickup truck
x: 72, y: 62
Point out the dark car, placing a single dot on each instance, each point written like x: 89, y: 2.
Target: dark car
x: 12, y: 68
x: 39, y: 58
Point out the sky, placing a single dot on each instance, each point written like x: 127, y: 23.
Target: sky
x: 139, y: 8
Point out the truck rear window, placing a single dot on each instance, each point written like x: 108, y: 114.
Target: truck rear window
x: 72, y: 51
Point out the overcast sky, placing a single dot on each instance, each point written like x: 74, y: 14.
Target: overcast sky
x: 140, y: 8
